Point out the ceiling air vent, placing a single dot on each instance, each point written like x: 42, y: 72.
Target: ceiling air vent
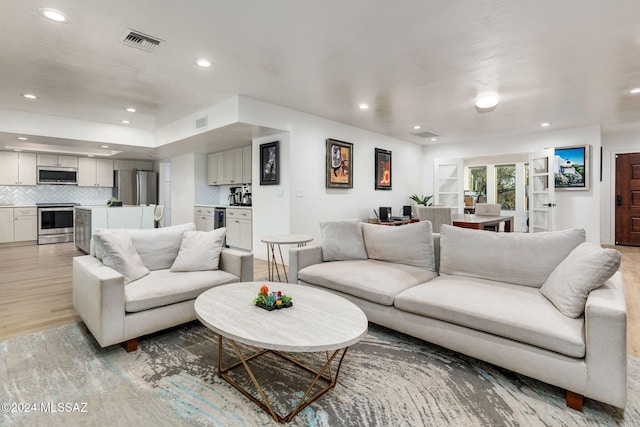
x: 202, y: 122
x: 140, y: 40
x: 426, y: 134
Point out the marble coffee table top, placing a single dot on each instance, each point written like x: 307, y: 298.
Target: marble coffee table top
x: 317, y: 321
x: 287, y: 239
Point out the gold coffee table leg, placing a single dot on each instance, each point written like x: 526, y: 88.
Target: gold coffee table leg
x: 304, y: 401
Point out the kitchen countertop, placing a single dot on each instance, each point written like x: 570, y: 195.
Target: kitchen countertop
x: 224, y: 206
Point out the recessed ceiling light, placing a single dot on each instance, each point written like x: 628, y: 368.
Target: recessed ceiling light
x: 545, y: 124
x: 52, y: 14
x: 487, y: 101
x: 635, y: 90
x: 131, y: 109
x: 125, y: 122
x: 416, y: 127
x: 23, y: 138
x: 104, y: 146
x: 434, y: 139
x: 203, y: 62
x: 89, y: 155
x: 363, y: 106
x: 17, y: 150
x: 29, y: 96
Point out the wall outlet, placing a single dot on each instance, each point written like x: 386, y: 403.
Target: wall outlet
x: 299, y: 192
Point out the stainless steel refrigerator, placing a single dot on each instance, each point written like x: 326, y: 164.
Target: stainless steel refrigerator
x: 136, y: 187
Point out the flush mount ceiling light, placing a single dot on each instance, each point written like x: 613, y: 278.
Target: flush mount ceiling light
x: 104, y: 146
x: 487, y: 103
x: 29, y: 96
x: 434, y: 139
x: 23, y: 138
x: 203, y: 63
x: 416, y: 127
x: 363, y: 106
x: 52, y: 14
x: 635, y: 90
x: 545, y: 124
x: 125, y: 122
x: 131, y: 109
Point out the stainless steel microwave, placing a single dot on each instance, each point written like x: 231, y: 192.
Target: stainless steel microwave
x: 55, y: 175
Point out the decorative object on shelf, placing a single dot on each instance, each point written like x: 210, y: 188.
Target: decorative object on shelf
x: 339, y: 170
x: 273, y: 300
x: 571, y: 168
x: 113, y: 202
x: 270, y: 163
x: 424, y: 200
x: 382, y: 169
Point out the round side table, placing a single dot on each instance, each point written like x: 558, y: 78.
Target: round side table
x: 278, y: 240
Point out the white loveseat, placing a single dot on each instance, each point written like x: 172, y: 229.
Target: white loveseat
x: 486, y: 301
x: 116, y: 312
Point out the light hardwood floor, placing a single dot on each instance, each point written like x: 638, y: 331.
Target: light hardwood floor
x: 35, y: 289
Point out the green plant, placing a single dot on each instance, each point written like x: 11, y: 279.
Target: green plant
x: 424, y: 200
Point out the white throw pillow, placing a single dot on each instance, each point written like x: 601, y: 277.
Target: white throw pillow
x: 410, y: 244
x: 158, y: 247
x: 200, y: 250
x: 117, y: 251
x: 586, y: 268
x: 342, y: 240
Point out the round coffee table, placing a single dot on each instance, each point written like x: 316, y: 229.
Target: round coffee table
x: 318, y: 321
x: 281, y: 239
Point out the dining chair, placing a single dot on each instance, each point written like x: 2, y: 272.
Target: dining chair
x: 491, y: 209
x: 438, y: 215
x: 158, y: 214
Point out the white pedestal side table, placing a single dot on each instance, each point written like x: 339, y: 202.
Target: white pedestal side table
x: 282, y: 239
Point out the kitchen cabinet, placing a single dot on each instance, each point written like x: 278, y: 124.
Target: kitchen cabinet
x: 239, y: 228
x: 25, y: 226
x: 204, y: 218
x: 57, y: 160
x: 6, y: 225
x: 216, y: 168
x: 17, y: 168
x: 230, y: 167
x: 95, y: 172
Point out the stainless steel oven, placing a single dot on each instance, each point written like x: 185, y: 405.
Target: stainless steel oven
x: 55, y: 222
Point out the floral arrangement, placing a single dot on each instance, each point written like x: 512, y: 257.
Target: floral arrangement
x: 273, y: 300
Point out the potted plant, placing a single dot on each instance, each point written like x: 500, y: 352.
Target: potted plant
x: 424, y: 200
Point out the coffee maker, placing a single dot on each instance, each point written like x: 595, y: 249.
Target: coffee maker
x: 245, y: 200
x: 234, y: 198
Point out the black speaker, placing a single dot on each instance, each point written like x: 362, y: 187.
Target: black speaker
x: 385, y: 213
x: 406, y: 211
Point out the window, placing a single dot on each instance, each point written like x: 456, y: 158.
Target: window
x: 506, y: 187
x: 478, y: 180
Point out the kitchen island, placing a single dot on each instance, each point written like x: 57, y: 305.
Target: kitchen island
x: 90, y: 218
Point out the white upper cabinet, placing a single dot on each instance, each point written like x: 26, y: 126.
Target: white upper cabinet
x: 56, y: 160
x: 17, y: 168
x: 246, y: 164
x: 231, y: 167
x: 216, y: 168
x: 95, y: 172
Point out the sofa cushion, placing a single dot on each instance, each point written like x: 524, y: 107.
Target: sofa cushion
x: 586, y: 268
x: 342, y: 240
x: 163, y: 287
x: 517, y: 258
x: 158, y: 247
x: 519, y: 313
x: 200, y: 250
x: 410, y: 244
x: 376, y: 281
x: 117, y: 251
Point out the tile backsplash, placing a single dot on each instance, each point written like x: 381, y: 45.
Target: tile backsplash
x: 207, y: 194
x: 30, y: 195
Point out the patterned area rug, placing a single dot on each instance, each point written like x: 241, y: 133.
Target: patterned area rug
x: 62, y: 377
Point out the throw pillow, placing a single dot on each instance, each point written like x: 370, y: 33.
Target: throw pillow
x: 342, y: 240
x: 200, y: 250
x: 117, y: 251
x: 410, y: 244
x: 586, y: 268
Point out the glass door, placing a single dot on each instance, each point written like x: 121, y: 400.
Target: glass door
x: 541, y: 191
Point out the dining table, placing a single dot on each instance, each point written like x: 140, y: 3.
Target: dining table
x: 479, y: 222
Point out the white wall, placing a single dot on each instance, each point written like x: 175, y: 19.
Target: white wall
x: 182, y: 189
x: 611, y: 146
x: 575, y: 209
x: 280, y: 209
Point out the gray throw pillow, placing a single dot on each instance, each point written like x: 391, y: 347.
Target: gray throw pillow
x: 200, y: 250
x: 586, y: 268
x: 117, y: 251
x: 342, y: 240
x: 410, y: 244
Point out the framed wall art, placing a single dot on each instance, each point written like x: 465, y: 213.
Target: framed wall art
x: 339, y: 169
x: 571, y: 168
x: 270, y: 163
x: 382, y: 169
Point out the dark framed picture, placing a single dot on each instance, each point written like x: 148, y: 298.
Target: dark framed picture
x: 270, y: 163
x: 383, y: 169
x: 571, y: 168
x: 339, y: 164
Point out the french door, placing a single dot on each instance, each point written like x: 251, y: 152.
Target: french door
x: 541, y: 191
x: 628, y: 199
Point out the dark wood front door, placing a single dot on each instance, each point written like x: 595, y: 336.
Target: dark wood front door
x: 628, y: 199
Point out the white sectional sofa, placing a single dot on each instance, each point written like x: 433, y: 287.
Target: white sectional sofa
x: 117, y: 309
x: 483, y: 294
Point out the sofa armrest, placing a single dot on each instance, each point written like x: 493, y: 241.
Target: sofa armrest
x: 606, y: 341
x: 238, y: 263
x: 300, y: 258
x: 98, y: 297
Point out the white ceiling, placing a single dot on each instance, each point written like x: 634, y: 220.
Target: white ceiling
x: 569, y: 62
